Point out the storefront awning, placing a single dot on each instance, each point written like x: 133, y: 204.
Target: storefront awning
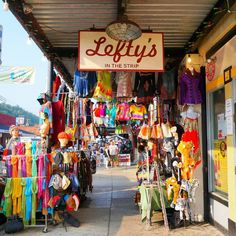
x: 54, y: 25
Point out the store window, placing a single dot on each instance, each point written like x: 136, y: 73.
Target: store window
x: 218, y: 143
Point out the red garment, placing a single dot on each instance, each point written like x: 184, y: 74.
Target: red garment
x: 189, y: 136
x: 56, y: 85
x: 58, y: 119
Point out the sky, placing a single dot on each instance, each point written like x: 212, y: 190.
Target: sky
x: 16, y: 52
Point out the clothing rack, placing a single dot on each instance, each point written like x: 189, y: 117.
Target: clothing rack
x: 45, y: 220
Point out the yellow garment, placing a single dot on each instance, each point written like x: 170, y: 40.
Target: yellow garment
x: 103, y: 91
x: 28, y: 149
x: 28, y: 166
x: 138, y: 112
x: 16, y: 195
x: 72, y: 132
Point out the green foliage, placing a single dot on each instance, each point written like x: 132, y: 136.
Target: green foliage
x: 17, y: 111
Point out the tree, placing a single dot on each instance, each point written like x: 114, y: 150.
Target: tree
x: 17, y: 111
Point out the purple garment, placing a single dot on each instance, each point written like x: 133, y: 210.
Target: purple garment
x: 9, y: 167
x: 190, y: 88
x: 23, y: 166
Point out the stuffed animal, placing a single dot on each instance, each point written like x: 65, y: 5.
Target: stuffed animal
x: 172, y: 186
x: 185, y: 148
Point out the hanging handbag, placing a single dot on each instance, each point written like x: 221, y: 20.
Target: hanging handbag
x: 14, y: 224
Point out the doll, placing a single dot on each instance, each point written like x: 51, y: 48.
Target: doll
x: 15, y: 137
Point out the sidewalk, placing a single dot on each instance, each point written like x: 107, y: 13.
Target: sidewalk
x: 110, y: 210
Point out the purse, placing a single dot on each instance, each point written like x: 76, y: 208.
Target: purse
x: 14, y: 224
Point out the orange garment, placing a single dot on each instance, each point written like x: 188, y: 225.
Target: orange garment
x: 74, y: 157
x: 154, y: 150
x: 14, y: 163
x: 28, y: 166
x: 156, y: 132
x: 144, y: 132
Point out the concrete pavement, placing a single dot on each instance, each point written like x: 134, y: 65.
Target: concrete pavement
x: 110, y: 210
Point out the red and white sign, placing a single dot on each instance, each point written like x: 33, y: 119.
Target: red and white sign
x: 124, y: 159
x: 97, y: 51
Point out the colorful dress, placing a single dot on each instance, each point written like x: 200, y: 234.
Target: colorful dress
x: 103, y: 90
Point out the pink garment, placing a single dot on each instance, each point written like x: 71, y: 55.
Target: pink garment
x: 102, y: 110
x: 40, y: 174
x: 122, y: 113
x: 20, y: 148
x: 124, y: 84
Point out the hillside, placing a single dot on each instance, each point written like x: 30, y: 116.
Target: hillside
x: 17, y: 111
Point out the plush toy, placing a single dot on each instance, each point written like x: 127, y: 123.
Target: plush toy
x: 172, y: 185
x: 182, y: 205
x: 185, y: 148
x: 193, y: 184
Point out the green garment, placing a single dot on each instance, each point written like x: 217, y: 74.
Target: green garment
x: 7, y: 208
x: 34, y: 165
x: 34, y: 192
x: 23, y: 183
x: 155, y: 203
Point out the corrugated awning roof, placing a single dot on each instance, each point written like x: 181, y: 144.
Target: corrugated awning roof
x: 54, y: 24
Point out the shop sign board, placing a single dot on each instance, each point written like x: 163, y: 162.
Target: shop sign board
x: 124, y: 159
x: 97, y: 51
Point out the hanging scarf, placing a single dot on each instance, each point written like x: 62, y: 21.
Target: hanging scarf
x: 7, y: 209
x: 34, y: 165
x: 19, y: 167
x: 16, y: 195
x: 20, y: 148
x: 28, y: 166
x: 40, y: 174
x: 34, y: 191
x: 23, y: 206
x: 28, y: 195
x: 9, y: 167
x: 23, y: 166
x: 33, y: 147
x: 14, y: 162
x: 28, y: 147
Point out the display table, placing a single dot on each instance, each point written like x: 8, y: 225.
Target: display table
x: 150, y: 200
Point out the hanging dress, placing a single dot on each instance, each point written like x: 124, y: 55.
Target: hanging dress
x: 103, y: 90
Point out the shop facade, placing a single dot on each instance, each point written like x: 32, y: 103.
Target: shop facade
x: 216, y: 171
x: 219, y: 53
